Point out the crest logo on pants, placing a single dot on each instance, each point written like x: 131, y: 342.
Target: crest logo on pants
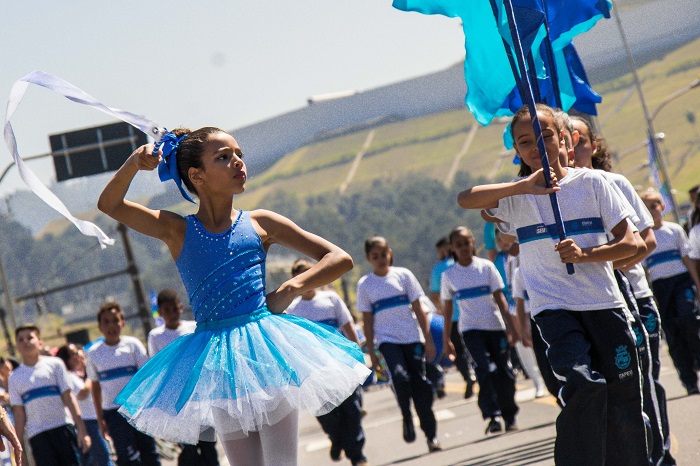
x: 623, y: 357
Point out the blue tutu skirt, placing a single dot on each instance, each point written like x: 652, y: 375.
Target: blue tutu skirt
x: 239, y: 374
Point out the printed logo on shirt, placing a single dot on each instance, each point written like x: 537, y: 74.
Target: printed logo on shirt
x: 387, y: 303
x: 40, y: 392
x: 623, y: 357
x: 117, y: 373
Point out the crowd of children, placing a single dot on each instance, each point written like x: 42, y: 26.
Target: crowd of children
x: 592, y: 338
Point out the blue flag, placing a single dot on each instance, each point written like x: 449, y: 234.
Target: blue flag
x: 488, y: 71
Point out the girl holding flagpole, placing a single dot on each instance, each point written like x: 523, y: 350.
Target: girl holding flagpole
x: 581, y: 316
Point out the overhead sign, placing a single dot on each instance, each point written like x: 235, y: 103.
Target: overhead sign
x: 94, y: 150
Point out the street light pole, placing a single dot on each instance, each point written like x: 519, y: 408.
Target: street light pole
x: 647, y: 115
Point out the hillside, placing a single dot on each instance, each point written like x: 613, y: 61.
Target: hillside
x: 429, y: 146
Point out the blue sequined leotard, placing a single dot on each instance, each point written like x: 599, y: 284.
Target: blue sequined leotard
x: 244, y: 367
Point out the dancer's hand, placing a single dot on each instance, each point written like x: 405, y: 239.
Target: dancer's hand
x: 449, y: 349
x: 144, y: 159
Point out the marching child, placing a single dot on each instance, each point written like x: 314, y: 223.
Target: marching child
x: 344, y: 424
x: 581, y: 316
x: 111, y: 364
x: 73, y: 357
x: 389, y: 299
x: 674, y: 281
x: 40, y: 392
x: 486, y: 327
x: 170, y: 309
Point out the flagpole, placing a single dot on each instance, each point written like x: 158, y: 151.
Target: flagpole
x: 529, y: 100
x: 647, y: 115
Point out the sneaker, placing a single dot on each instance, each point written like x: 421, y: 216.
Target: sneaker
x: 494, y: 426
x: 434, y: 445
x: 409, y: 433
x: 512, y: 426
x: 336, y: 450
x: 469, y: 392
x: 362, y: 462
x: 440, y: 393
x: 693, y: 391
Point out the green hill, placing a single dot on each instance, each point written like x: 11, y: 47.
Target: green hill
x: 429, y: 146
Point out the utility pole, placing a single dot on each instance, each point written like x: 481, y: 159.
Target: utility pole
x: 131, y: 267
x: 8, y: 308
x: 647, y: 115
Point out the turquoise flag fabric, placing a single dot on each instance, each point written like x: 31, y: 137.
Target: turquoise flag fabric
x: 491, y: 85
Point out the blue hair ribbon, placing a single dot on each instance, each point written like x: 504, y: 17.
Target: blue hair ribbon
x: 167, y: 170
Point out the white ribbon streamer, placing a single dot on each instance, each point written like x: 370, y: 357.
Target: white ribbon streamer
x: 71, y: 92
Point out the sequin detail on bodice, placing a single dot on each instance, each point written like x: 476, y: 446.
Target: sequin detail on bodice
x: 223, y: 273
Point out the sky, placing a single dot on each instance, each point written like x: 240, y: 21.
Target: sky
x: 204, y: 63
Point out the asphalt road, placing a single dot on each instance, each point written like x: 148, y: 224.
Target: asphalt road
x: 461, y: 430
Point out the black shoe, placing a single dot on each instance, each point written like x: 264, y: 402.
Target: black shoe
x: 494, y: 426
x: 409, y: 433
x: 361, y: 462
x: 434, y: 445
x: 440, y: 393
x: 512, y: 426
x: 469, y: 392
x: 693, y: 391
x: 336, y: 450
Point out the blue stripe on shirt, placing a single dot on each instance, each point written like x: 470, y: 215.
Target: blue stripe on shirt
x: 579, y: 226
x: 471, y: 293
x: 394, y: 301
x: 330, y: 322
x: 40, y: 392
x: 117, y: 373
x: 665, y: 256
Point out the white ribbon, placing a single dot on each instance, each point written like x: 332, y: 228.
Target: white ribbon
x: 70, y: 92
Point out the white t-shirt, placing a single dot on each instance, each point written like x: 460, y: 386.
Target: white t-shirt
x: 38, y: 388
x: 325, y: 307
x: 389, y: 298
x: 87, y: 407
x: 694, y: 242
x: 519, y: 290
x: 472, y: 287
x: 161, y: 336
x: 590, y: 209
x: 636, y: 275
x: 671, y: 247
x: 114, y: 366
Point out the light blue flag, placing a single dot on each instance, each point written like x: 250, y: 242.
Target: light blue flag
x: 491, y: 86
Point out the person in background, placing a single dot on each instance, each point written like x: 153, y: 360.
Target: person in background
x: 344, y: 424
x: 462, y: 359
x: 73, y: 357
x: 40, y: 393
x: 389, y: 299
x: 111, y: 363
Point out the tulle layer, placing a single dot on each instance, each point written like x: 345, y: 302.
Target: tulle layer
x: 253, y: 372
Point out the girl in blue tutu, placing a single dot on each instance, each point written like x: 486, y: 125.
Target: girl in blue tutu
x: 248, y: 368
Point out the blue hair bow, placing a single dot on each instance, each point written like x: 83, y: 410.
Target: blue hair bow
x: 167, y: 170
